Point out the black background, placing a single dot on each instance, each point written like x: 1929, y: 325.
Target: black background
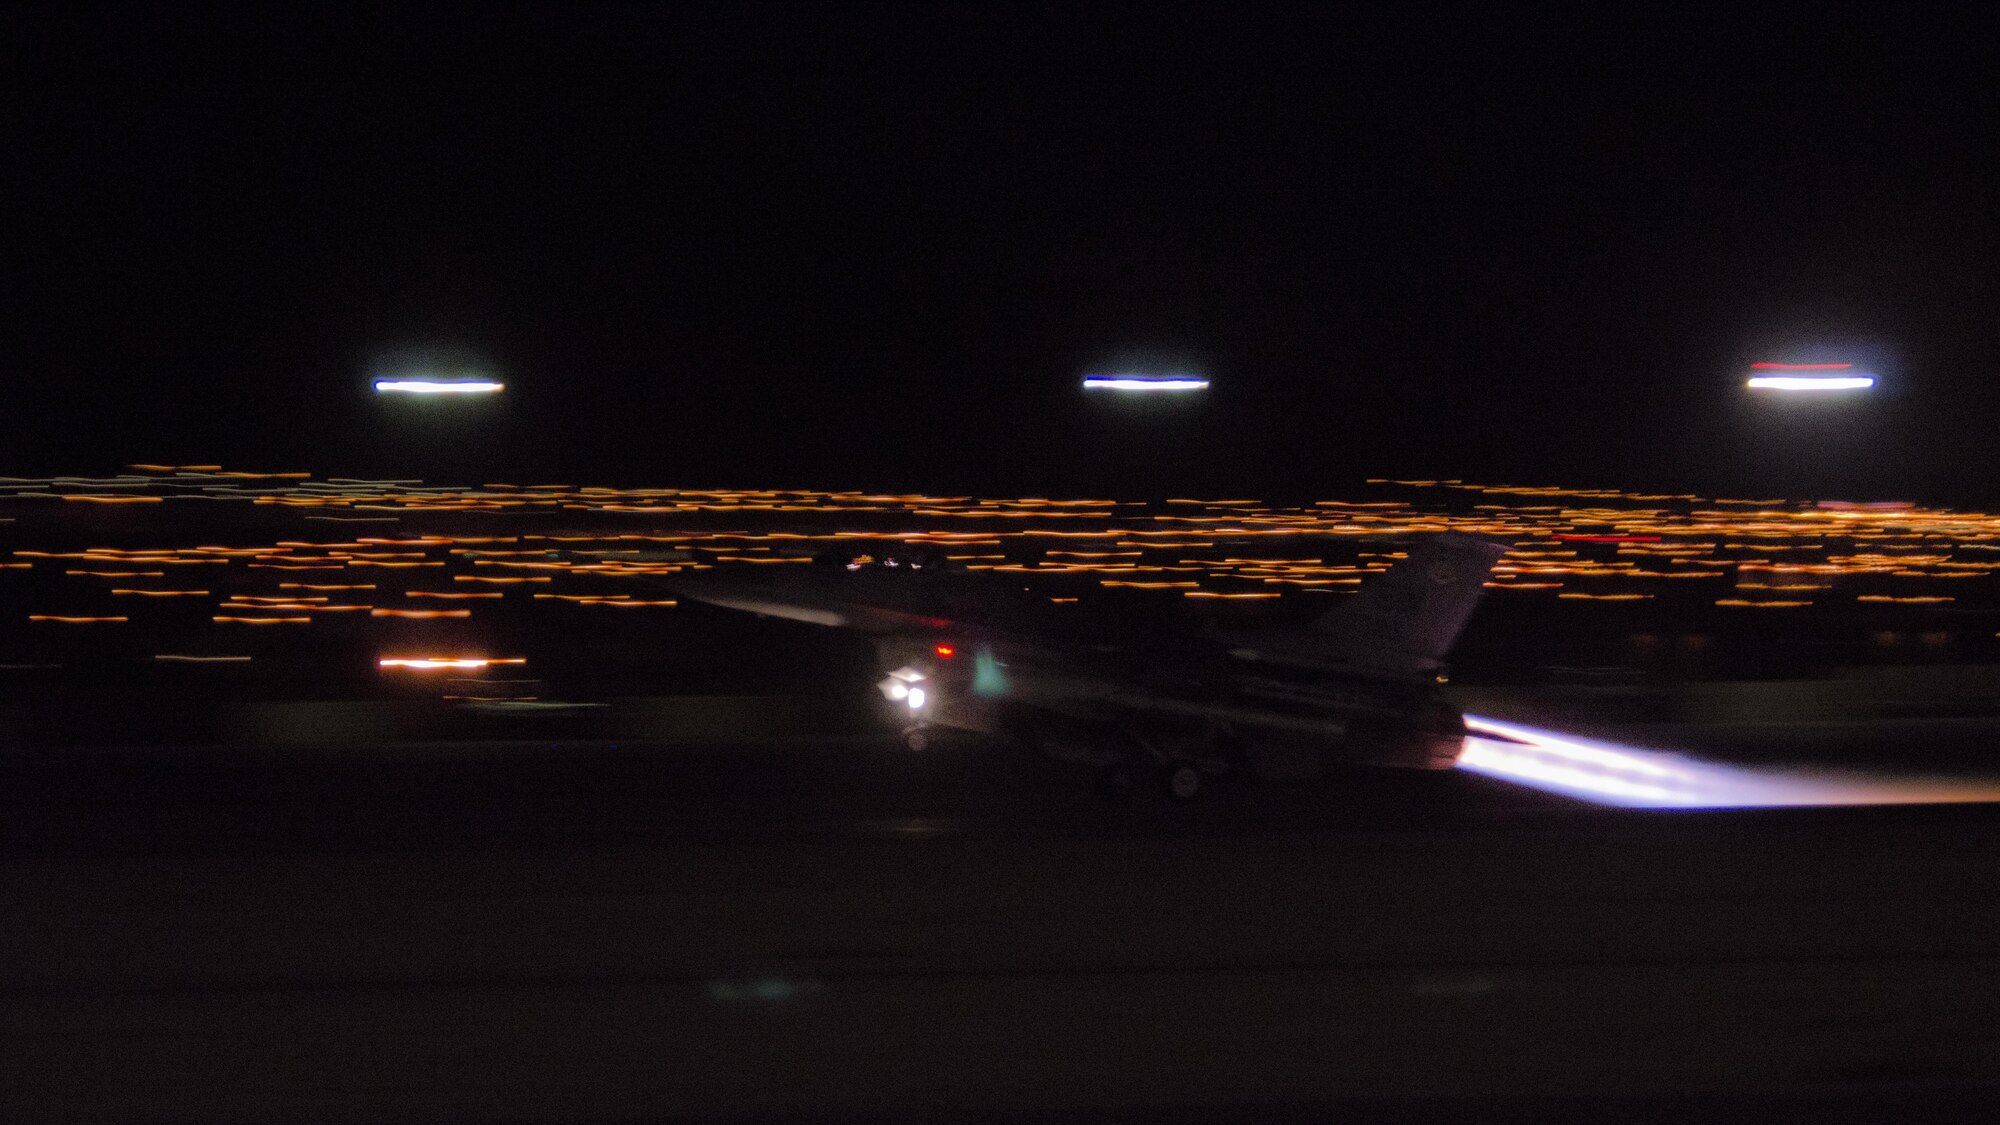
x: 879, y: 246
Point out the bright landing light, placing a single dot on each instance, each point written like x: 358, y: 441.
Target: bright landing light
x: 428, y: 662
x: 1608, y: 774
x: 1143, y: 383
x: 437, y: 387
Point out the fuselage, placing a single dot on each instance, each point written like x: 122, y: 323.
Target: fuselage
x: 962, y: 652
x: 1193, y: 700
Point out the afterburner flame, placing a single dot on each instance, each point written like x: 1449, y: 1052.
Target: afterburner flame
x: 1609, y: 774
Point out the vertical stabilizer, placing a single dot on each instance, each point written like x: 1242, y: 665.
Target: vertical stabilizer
x: 1407, y: 617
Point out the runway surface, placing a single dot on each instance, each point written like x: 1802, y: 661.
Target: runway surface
x: 581, y: 932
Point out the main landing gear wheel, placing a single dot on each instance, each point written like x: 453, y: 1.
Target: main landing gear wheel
x: 916, y: 740
x: 1178, y: 782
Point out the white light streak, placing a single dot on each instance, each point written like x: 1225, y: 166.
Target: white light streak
x: 1143, y: 383
x: 423, y: 663
x: 1609, y: 774
x: 437, y: 387
x: 1810, y: 382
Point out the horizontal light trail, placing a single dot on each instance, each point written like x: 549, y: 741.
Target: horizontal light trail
x: 437, y: 387
x: 1143, y: 383
x: 1606, y: 773
x: 1810, y: 382
x: 422, y: 663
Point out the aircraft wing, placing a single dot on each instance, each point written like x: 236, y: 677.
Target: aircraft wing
x: 839, y: 602
x: 1401, y: 623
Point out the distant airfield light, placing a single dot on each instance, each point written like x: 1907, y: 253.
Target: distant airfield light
x: 1811, y: 383
x: 1144, y: 383
x: 426, y: 663
x: 438, y: 387
x: 1808, y: 377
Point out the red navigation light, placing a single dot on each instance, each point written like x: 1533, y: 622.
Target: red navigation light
x: 1800, y: 366
x: 945, y: 651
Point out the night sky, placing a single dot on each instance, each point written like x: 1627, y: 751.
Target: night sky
x: 878, y: 247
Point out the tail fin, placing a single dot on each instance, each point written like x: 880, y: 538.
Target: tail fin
x: 1407, y: 617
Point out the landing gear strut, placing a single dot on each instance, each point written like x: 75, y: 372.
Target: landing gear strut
x: 1176, y: 781
x: 1118, y: 783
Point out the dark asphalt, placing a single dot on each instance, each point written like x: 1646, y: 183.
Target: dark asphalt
x: 572, y: 932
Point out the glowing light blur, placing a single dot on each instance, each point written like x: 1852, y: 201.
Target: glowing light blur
x: 1585, y: 549
x: 900, y: 683
x: 424, y: 663
x: 1810, y: 382
x: 437, y: 387
x: 1143, y: 383
x: 1607, y: 773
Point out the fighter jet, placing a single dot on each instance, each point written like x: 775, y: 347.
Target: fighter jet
x: 1146, y: 711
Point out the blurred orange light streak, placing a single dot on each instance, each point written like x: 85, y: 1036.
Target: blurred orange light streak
x: 324, y: 586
